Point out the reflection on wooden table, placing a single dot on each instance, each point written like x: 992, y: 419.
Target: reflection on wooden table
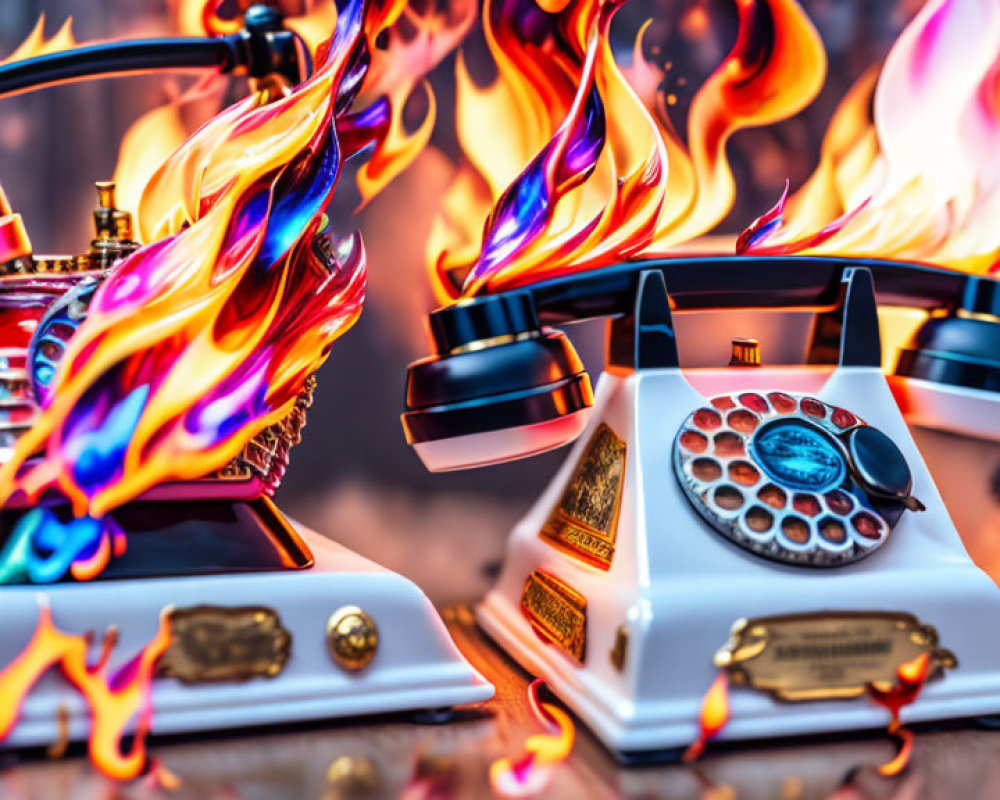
x: 425, y: 760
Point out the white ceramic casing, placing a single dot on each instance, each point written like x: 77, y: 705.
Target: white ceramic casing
x: 678, y: 586
x: 416, y: 666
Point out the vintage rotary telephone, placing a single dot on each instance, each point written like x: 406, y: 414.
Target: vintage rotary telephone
x: 698, y: 497
x: 241, y: 617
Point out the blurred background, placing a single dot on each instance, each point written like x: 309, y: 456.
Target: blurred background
x: 353, y: 477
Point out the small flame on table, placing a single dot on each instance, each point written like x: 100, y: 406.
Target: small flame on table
x: 531, y: 773
x: 713, y: 717
x: 911, y: 677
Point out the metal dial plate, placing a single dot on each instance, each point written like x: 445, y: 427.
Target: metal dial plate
x: 768, y: 470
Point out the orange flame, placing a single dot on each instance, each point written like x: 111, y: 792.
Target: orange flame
x: 647, y: 192
x: 37, y: 45
x: 209, y: 335
x: 713, y: 716
x: 114, y: 700
x: 531, y: 773
x: 415, y: 44
x: 315, y: 25
x: 156, y: 134
x: 908, y: 167
x: 911, y: 676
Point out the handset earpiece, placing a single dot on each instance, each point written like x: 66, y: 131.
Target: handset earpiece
x: 500, y: 386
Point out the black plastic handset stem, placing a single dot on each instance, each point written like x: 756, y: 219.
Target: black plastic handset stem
x: 743, y: 282
x: 645, y: 338
x: 713, y: 282
x: 263, y: 47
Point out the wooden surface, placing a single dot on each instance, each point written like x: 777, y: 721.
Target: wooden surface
x: 389, y: 758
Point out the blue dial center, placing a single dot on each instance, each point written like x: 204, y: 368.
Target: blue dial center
x: 797, y: 455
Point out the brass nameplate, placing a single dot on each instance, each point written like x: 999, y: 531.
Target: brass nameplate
x: 827, y: 655
x: 557, y: 612
x: 214, y: 644
x: 585, y: 520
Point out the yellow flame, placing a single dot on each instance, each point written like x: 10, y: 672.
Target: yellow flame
x: 648, y: 192
x: 154, y: 136
x: 713, y: 717
x: 744, y: 93
x: 209, y: 317
x: 415, y: 44
x: 112, y: 705
x: 315, y: 25
x: 531, y: 773
x: 908, y: 166
x: 37, y: 45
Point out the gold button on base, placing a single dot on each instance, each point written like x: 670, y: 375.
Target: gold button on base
x: 352, y: 638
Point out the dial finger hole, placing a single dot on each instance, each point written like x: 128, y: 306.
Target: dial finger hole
x: 867, y: 525
x: 773, y: 496
x: 782, y: 403
x: 832, y: 530
x: 729, y: 445
x: 707, y: 419
x: 843, y: 418
x: 728, y: 497
x: 694, y: 442
x: 723, y: 403
x: 812, y: 407
x: 759, y: 519
x: 754, y: 402
x: 744, y: 473
x: 743, y: 421
x: 839, y: 502
x: 706, y: 469
x: 795, y: 529
x: 806, y: 504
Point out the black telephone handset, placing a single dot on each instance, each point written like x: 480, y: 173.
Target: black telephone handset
x: 263, y: 46
x: 498, y: 366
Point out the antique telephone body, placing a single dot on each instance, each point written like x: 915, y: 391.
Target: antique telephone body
x: 297, y: 627
x: 787, y: 506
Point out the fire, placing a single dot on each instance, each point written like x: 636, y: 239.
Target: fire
x: 151, y: 139
x: 114, y: 700
x: 607, y: 177
x: 911, y: 676
x: 713, y: 716
x: 531, y: 773
x: 416, y: 41
x: 206, y: 336
x: 908, y: 167
x: 37, y: 45
x: 415, y: 44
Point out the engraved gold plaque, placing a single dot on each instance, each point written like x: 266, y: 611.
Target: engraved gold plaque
x: 828, y: 655
x: 557, y: 612
x: 216, y: 644
x: 585, y: 520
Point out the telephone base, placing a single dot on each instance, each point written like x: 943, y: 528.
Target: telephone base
x: 416, y: 665
x: 655, y: 618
